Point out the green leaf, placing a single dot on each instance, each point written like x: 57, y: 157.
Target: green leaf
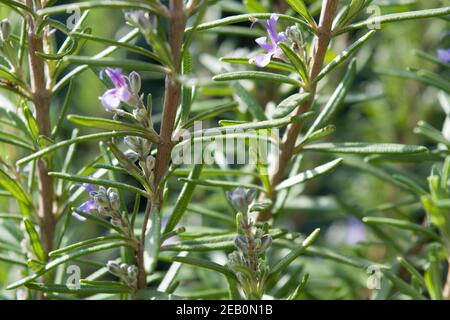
x: 98, y: 181
x: 128, y: 64
x: 107, y: 124
x: 65, y: 107
x: 402, y: 285
x: 9, y: 259
x: 247, y: 18
x: 256, y: 75
x: 82, y: 289
x: 85, y: 243
x: 87, y: 5
x: 300, y: 7
x: 276, y: 65
x: 252, y: 105
x: 266, y: 124
x: 395, y: 17
x: 35, y: 241
x: 365, y: 148
x: 402, y: 225
x: 184, y: 199
x: 286, y: 106
x: 31, y: 121
x: 220, y: 183
x: 254, y: 6
x: 318, y: 134
x: 298, y: 291
x: 212, y: 243
x: 295, y: 60
x: 210, y: 113
x: 433, y: 274
x: 14, y: 188
x: 290, y: 257
x: 336, y: 100
x: 152, y: 240
x: 431, y: 133
x: 97, y: 220
x: 65, y: 258
x: 424, y: 76
x: 106, y: 52
x: 413, y: 271
x: 14, y: 140
x: 88, y: 137
x: 215, y: 215
x: 308, y: 174
x: 206, y: 265
x: 130, y: 47
x: 344, y: 55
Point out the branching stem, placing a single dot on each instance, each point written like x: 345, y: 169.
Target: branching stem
x: 319, y: 49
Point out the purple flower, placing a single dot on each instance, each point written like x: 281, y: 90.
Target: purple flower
x: 356, y: 231
x: 112, y: 98
x: 90, y: 205
x: 272, y: 48
x: 444, y: 55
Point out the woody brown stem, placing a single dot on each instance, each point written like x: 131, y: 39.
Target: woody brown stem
x: 177, y: 24
x: 319, y: 49
x: 41, y: 100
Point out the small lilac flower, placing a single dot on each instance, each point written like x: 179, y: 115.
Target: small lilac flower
x: 272, y: 48
x: 444, y: 55
x: 90, y: 205
x: 112, y: 98
x: 356, y: 231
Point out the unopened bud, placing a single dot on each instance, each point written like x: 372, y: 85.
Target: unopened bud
x: 114, y: 199
x: 113, y: 267
x: 141, y: 116
x: 5, y: 29
x: 238, y: 199
x: 150, y: 163
x: 266, y: 242
x: 132, y: 272
x: 140, y: 19
x: 135, y: 82
x: 131, y: 155
x: 241, y: 243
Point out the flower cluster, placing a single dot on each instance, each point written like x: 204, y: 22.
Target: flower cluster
x: 248, y: 262
x: 104, y: 202
x: 127, y: 273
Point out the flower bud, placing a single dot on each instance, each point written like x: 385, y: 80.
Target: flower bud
x: 132, y: 272
x: 5, y: 30
x: 117, y: 222
x: 238, y: 200
x: 131, y: 155
x: 150, y: 163
x: 141, y: 116
x: 101, y: 200
x: 141, y: 19
x: 135, y: 82
x: 113, y: 267
x: 123, y: 268
x: 241, y: 243
x: 250, y: 196
x: 114, y: 199
x: 266, y: 242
